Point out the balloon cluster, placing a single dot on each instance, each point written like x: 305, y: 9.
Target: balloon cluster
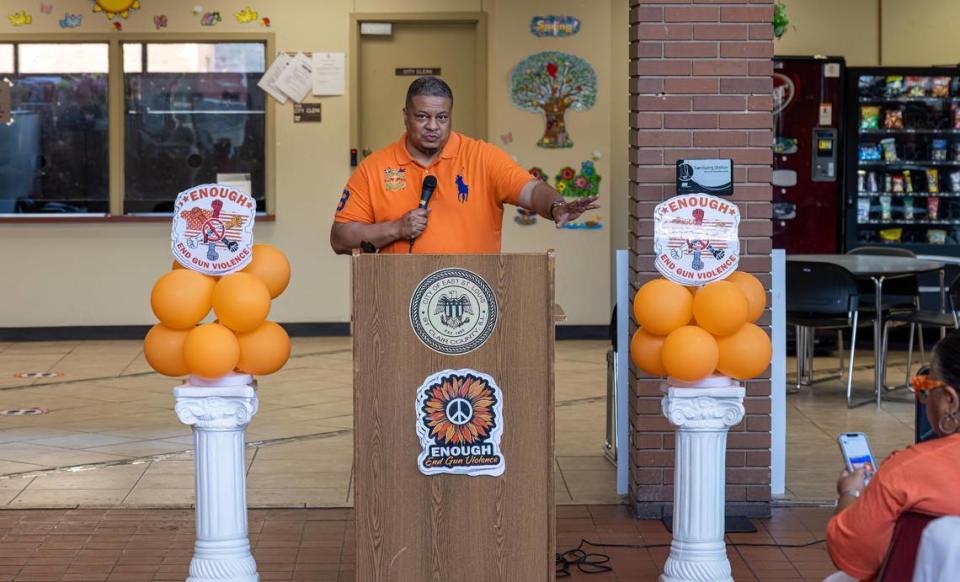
x: 689, y: 333
x: 241, y: 339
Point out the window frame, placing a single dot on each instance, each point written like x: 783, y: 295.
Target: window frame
x: 116, y: 115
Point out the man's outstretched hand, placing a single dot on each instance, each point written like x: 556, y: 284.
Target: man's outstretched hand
x: 573, y: 210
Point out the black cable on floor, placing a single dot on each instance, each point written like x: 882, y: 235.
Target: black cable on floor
x: 596, y: 562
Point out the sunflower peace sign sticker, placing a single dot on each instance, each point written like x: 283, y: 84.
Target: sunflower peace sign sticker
x: 459, y: 422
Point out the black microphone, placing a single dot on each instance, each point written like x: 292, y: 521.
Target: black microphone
x: 429, y: 185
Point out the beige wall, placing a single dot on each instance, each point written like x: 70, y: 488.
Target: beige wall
x: 583, y: 271
x: 101, y: 274
x: 914, y: 33
x: 846, y: 28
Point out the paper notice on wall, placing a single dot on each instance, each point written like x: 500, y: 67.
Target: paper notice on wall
x: 240, y: 182
x: 269, y: 80
x: 329, y: 70
x: 297, y: 79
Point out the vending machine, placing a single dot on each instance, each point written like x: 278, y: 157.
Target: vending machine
x: 903, y: 160
x: 808, y: 176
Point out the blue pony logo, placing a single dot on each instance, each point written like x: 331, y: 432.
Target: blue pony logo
x: 462, y: 189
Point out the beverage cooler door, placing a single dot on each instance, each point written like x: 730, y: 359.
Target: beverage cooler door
x: 807, y: 176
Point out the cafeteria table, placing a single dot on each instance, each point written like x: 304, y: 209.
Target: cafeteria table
x: 877, y: 268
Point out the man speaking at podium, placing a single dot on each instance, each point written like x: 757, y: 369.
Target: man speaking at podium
x: 437, y: 191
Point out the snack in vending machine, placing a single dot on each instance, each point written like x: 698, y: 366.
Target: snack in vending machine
x: 869, y: 152
x: 936, y: 236
x: 893, y: 119
x: 938, y: 150
x: 861, y: 180
x: 933, y: 207
x: 872, y: 182
x: 898, y: 185
x: 894, y: 86
x: 955, y: 148
x: 916, y: 86
x: 940, y: 87
x: 955, y: 182
x: 888, y: 183
x: 908, y: 207
x: 889, y: 146
x: 863, y: 210
x: 869, y: 117
x: 933, y: 181
x: 907, y: 182
x: 891, y: 235
x: 886, y: 208
x: 956, y: 115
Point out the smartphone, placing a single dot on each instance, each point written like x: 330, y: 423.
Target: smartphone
x: 856, y: 453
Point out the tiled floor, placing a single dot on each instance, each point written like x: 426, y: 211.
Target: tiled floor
x: 111, y: 437
x: 315, y: 545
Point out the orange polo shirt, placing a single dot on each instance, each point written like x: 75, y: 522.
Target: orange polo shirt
x: 922, y: 478
x: 474, y: 181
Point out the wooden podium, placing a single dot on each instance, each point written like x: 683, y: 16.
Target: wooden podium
x: 414, y: 527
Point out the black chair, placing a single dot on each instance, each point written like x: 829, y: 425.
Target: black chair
x: 945, y: 318
x: 822, y: 296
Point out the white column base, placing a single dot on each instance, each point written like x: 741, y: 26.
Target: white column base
x: 703, y: 414
x: 219, y: 411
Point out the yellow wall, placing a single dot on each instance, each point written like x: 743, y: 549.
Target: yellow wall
x: 101, y: 274
x: 914, y: 33
x: 921, y: 32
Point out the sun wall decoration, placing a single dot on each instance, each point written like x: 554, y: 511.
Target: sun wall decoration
x: 114, y: 8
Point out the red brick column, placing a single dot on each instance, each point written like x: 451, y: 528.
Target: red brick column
x: 701, y: 83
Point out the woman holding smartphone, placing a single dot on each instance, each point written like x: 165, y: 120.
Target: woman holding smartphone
x: 921, y: 478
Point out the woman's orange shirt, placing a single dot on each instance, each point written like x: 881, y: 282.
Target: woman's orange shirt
x: 923, y: 478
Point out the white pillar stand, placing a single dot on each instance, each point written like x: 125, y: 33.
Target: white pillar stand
x: 219, y: 411
x: 702, y: 413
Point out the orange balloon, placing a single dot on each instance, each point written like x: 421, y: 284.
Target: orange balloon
x: 720, y: 308
x: 690, y: 354
x: 753, y: 290
x: 271, y: 266
x: 661, y: 306
x: 181, y: 298
x: 645, y: 352
x: 211, y: 351
x: 263, y: 350
x: 241, y: 302
x: 163, y: 349
x: 745, y: 354
x: 177, y: 266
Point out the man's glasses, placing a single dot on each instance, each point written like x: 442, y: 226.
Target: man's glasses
x: 923, y: 386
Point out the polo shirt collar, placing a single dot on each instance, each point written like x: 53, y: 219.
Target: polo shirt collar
x: 450, y: 151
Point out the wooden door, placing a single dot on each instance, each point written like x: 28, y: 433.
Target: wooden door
x: 451, y: 47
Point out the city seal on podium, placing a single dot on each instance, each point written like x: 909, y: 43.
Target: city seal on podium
x: 453, y: 311
x: 213, y: 229
x: 696, y: 238
x: 460, y: 422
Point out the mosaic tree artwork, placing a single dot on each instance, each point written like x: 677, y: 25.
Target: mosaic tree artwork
x: 552, y: 83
